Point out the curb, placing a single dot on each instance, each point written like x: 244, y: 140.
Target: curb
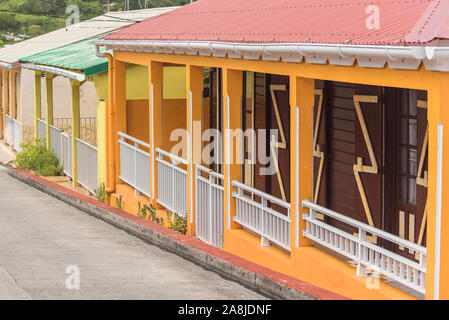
x: 255, y: 277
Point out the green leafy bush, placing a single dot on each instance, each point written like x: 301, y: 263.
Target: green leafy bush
x: 36, y: 158
x: 179, y: 224
x: 100, y: 193
x: 118, y: 202
x: 150, y: 212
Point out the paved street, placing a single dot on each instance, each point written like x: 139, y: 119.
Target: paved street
x: 40, y: 237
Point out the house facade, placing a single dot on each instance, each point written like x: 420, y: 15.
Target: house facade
x: 326, y: 158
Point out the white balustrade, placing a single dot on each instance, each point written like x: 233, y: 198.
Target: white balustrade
x: 17, y: 135
x: 87, y: 165
x: 367, y: 255
x: 254, y: 213
x: 41, y: 129
x: 55, y: 142
x: 209, y: 206
x: 9, y: 130
x: 171, y: 182
x: 66, y: 153
x: 135, y: 163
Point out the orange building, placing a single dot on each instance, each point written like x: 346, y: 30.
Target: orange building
x: 327, y: 151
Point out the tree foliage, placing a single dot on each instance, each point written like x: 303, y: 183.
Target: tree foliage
x: 31, y: 18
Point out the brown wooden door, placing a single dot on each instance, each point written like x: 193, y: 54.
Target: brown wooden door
x: 216, y: 107
x: 260, y: 123
x: 320, y: 151
x: 354, y: 135
x: 370, y: 149
x: 279, y: 119
x: 408, y: 159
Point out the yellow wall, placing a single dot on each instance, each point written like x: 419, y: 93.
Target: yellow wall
x: 137, y: 87
x: 175, y: 83
x: 101, y: 141
x: 101, y: 85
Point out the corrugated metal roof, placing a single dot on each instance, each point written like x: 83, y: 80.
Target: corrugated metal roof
x: 402, y: 22
x: 78, y: 56
x: 86, y: 29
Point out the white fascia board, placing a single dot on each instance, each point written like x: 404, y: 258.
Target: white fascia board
x: 57, y: 71
x: 5, y: 65
x: 397, y: 57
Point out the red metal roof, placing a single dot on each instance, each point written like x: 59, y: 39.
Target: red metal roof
x: 297, y: 21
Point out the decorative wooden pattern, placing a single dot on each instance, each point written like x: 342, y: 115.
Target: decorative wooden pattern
x: 359, y: 166
x: 401, y: 227
x: 420, y: 179
x: 276, y: 144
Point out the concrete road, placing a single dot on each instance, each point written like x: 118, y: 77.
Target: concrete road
x: 46, y: 247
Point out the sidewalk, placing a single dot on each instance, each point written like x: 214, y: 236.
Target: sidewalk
x: 260, y: 279
x: 6, y: 155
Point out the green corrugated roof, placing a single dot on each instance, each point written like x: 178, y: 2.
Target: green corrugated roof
x: 79, y: 56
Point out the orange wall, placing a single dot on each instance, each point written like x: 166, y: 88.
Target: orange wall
x: 175, y: 117
x: 137, y: 114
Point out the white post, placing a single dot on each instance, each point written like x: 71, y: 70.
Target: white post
x: 438, y: 213
x: 361, y: 269
x: 210, y: 206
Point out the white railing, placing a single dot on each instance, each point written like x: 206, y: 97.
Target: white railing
x: 257, y: 216
x: 87, y: 165
x: 367, y: 255
x: 41, y: 129
x: 17, y: 135
x: 66, y: 152
x: 171, y: 182
x: 9, y: 130
x: 209, y: 206
x: 55, y: 142
x: 135, y: 163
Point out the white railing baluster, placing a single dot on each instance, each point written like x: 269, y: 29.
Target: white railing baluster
x: 254, y: 213
x: 172, y: 182
x: 134, y: 163
x: 87, y: 165
x: 365, y: 254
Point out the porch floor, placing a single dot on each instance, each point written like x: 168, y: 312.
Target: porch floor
x: 392, y: 283
x: 65, y: 182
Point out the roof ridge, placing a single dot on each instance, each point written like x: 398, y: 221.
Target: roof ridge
x: 192, y: 10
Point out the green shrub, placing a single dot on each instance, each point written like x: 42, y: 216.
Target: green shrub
x: 100, y: 193
x: 118, y: 202
x: 178, y: 224
x: 36, y: 158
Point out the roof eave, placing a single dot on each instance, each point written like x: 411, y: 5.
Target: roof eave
x: 56, y: 71
x: 371, y: 56
x: 6, y: 65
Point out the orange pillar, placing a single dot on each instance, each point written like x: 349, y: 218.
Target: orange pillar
x: 301, y: 166
x: 232, y: 95
x: 155, y: 77
x: 110, y: 129
x: 437, y: 275
x: 119, y: 100
x: 194, y: 88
